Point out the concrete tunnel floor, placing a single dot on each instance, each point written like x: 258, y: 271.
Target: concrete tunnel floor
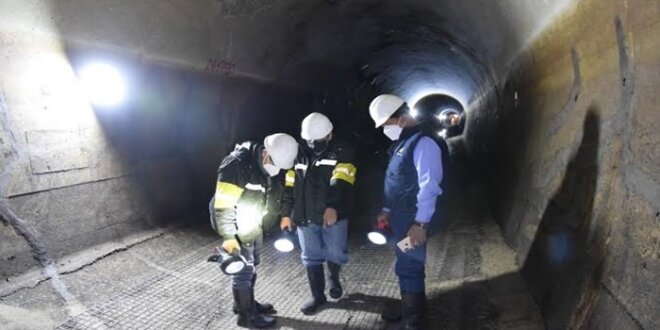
x: 164, y: 282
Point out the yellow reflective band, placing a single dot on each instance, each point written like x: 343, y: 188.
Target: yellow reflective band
x: 226, y: 195
x: 290, y: 178
x: 344, y: 171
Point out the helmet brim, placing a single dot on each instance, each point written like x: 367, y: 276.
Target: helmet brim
x: 382, y: 121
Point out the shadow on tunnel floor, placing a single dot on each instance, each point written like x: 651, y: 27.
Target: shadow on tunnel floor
x: 501, y: 302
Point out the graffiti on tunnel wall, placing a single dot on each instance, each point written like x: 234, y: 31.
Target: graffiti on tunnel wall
x: 220, y: 66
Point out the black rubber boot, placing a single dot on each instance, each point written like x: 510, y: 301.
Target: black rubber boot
x: 335, y: 286
x: 413, y: 311
x: 262, y: 308
x: 317, y: 286
x: 248, y: 316
x: 392, y: 312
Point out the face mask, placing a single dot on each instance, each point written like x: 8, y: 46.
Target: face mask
x: 271, y: 169
x: 392, y: 131
x: 318, y: 146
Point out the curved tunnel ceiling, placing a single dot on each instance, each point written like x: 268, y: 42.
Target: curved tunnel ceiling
x: 412, y: 48
x: 328, y: 45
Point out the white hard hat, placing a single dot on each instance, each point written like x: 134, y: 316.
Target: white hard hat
x: 315, y: 126
x: 282, y: 149
x: 383, y: 107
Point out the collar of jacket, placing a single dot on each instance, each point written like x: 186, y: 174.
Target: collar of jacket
x: 310, y: 151
x: 250, y: 153
x: 256, y: 157
x: 408, y: 132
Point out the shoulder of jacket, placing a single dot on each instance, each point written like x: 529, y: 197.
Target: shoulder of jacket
x: 231, y: 163
x: 240, y: 157
x: 342, y: 146
x: 244, y: 147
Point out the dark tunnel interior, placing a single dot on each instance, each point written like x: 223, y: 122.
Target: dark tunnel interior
x: 552, y: 195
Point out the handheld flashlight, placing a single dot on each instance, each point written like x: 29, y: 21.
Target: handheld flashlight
x: 230, y: 263
x: 380, y: 234
x: 285, y: 242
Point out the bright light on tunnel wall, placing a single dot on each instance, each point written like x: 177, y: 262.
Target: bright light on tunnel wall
x: 103, y: 84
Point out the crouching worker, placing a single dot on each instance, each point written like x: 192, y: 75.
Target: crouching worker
x: 245, y: 179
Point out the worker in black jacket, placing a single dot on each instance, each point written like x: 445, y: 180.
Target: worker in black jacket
x: 241, y: 200
x: 315, y: 198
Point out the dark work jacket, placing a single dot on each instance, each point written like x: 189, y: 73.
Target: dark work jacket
x: 318, y: 182
x: 241, y: 199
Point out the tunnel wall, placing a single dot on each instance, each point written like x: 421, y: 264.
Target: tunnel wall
x: 78, y: 175
x: 568, y: 140
x: 145, y: 165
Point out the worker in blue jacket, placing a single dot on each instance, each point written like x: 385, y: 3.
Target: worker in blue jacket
x: 412, y: 186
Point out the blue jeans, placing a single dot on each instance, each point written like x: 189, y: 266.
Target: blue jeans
x: 409, y: 266
x: 321, y: 243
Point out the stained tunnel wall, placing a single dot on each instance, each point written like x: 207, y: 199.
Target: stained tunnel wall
x: 164, y: 152
x: 573, y: 112
x: 81, y: 176
x: 570, y: 150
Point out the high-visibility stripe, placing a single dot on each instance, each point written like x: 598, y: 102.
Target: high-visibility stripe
x: 344, y: 171
x: 300, y: 167
x: 290, y: 178
x: 330, y: 162
x: 226, y: 195
x: 255, y: 187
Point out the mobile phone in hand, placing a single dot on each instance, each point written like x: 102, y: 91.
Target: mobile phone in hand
x: 405, y: 245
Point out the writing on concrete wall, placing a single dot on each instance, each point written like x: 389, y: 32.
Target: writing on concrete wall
x: 220, y: 66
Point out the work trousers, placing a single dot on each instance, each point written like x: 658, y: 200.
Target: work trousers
x: 324, y: 243
x: 409, y: 266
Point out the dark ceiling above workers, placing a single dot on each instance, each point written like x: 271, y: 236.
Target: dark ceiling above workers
x: 410, y: 47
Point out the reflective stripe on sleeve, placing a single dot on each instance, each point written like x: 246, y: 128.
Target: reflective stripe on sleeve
x: 226, y: 195
x: 290, y: 178
x: 344, y: 171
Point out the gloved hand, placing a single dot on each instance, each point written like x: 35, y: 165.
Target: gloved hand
x: 231, y: 245
x: 329, y: 216
x: 286, y: 224
x: 417, y: 235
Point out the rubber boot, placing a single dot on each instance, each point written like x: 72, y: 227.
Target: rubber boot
x: 317, y: 286
x: 262, y: 308
x: 413, y: 311
x: 335, y: 286
x: 248, y: 316
x: 392, y: 312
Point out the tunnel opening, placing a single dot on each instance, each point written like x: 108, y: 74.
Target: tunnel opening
x: 551, y: 192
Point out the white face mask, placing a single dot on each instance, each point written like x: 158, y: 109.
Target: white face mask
x: 392, y: 131
x: 271, y: 169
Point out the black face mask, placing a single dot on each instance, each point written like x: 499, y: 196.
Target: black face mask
x: 318, y: 145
